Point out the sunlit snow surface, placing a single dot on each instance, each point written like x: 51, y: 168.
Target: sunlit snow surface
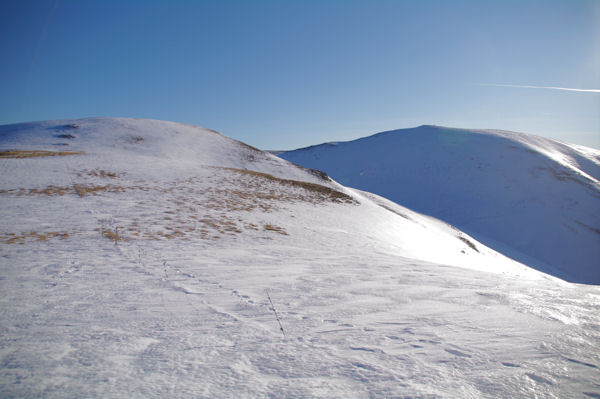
x: 374, y: 299
x: 533, y: 199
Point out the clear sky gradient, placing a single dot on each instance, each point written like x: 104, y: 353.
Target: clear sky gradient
x: 285, y: 74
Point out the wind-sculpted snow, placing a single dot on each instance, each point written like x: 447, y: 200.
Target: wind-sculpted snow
x: 533, y: 199
x: 134, y: 270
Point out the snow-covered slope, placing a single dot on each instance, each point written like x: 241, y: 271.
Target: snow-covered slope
x: 143, y: 258
x: 533, y: 199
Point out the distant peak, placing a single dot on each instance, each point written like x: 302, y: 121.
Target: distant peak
x: 430, y: 126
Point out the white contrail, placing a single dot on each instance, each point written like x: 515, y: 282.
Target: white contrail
x: 541, y: 87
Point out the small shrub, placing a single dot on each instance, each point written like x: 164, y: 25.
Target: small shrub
x: 468, y: 242
x: 102, y: 173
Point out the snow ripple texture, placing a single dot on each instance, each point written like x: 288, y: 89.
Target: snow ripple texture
x: 143, y: 268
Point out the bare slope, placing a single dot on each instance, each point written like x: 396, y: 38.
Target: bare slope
x: 136, y: 256
x: 533, y: 199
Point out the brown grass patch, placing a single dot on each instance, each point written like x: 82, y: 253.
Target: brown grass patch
x: 21, y: 238
x: 50, y: 190
x: 188, y: 211
x: 36, y: 154
x: 324, y: 192
x: 173, y: 234
x: 204, y: 207
x: 94, y: 190
x: 81, y: 190
x: 113, y: 234
x: 276, y: 229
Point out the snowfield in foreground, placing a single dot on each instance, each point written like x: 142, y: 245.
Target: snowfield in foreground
x: 138, y: 258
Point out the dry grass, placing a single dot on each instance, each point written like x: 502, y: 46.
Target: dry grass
x: 23, y: 237
x: 113, y: 234
x: 50, y: 190
x: 81, y: 190
x: 164, y: 226
x: 36, y: 154
x: 102, y: 173
x: 276, y: 229
x: 173, y: 234
x: 323, y: 193
x: 209, y: 208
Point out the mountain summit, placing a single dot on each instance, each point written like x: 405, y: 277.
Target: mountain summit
x: 533, y: 199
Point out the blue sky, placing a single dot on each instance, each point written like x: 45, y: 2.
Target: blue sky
x: 286, y: 74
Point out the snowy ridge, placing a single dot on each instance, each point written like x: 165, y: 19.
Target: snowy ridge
x: 534, y: 199
x: 154, y: 144
x: 138, y: 258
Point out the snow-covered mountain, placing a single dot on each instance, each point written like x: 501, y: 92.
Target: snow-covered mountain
x: 142, y: 258
x: 530, y: 198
